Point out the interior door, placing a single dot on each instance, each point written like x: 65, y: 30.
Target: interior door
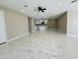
x: 3, y: 36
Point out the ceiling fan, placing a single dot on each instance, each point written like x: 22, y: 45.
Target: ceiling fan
x: 40, y: 9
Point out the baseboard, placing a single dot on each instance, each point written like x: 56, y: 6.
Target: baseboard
x: 70, y: 35
x: 2, y: 43
x: 12, y: 39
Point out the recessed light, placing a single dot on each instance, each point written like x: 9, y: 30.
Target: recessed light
x: 23, y: 10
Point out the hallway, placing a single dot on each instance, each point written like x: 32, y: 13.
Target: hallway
x: 40, y: 45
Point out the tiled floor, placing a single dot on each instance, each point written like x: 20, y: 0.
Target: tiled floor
x: 40, y: 45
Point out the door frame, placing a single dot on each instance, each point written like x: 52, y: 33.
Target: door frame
x: 4, y: 26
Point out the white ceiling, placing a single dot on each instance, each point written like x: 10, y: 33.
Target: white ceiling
x: 54, y: 7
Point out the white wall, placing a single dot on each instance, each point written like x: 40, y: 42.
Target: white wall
x: 72, y: 21
x: 33, y: 25
x: 16, y: 23
x: 34, y: 28
x: 61, y: 23
x: 51, y: 24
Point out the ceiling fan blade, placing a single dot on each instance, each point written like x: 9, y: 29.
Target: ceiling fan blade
x: 44, y: 9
